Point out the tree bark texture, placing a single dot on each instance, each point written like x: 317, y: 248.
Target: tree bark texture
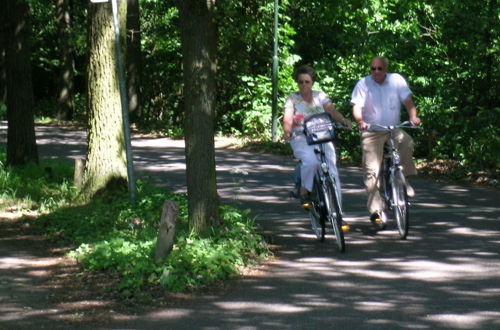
x: 3, y: 77
x: 106, y: 165
x: 65, y: 98
x: 21, y: 140
x: 134, y: 63
x: 199, y: 41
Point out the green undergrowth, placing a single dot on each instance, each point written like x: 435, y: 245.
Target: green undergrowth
x: 43, y: 187
x: 109, y: 235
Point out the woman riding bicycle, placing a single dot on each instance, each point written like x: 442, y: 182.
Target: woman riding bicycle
x: 299, y: 106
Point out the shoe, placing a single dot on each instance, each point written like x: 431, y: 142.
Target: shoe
x: 410, y: 192
x: 305, y: 200
x: 345, y: 227
x: 378, y: 219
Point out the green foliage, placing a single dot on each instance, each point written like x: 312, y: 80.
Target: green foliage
x: 222, y: 252
x: 451, y: 60
x: 3, y: 111
x: 109, y: 234
x: 122, y: 239
x: 161, y: 65
x: 43, y: 187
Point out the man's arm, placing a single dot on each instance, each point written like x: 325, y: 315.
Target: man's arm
x: 412, y: 110
x: 357, y: 113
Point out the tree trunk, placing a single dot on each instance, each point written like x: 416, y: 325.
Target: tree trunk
x: 105, y: 168
x: 199, y: 41
x: 21, y: 140
x: 3, y: 76
x: 65, y: 98
x: 134, y: 62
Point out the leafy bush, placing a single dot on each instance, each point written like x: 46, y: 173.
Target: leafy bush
x: 119, y: 238
x: 108, y: 234
x: 45, y: 186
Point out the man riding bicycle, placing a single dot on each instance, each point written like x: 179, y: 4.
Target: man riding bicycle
x: 376, y: 99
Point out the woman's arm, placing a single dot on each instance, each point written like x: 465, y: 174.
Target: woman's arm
x: 336, y: 115
x: 287, y: 122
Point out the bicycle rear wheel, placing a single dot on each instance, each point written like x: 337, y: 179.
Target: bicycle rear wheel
x: 334, y: 214
x: 316, y: 214
x: 400, y: 203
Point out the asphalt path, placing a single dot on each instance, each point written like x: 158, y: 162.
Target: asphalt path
x: 445, y: 275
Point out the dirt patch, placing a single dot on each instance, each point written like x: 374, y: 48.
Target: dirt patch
x: 42, y: 285
x: 451, y: 171
x: 54, y: 292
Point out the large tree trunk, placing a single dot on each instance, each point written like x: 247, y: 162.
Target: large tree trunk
x: 134, y: 60
x: 65, y: 98
x: 21, y: 141
x: 199, y: 40
x: 106, y: 159
x: 3, y: 76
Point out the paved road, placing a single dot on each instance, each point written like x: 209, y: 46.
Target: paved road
x: 446, y: 275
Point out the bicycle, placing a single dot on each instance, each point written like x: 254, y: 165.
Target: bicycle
x: 392, y: 182
x: 325, y: 203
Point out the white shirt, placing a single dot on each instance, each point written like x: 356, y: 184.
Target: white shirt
x: 381, y: 103
x: 301, y: 107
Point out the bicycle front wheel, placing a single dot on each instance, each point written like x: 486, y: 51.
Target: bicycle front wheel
x: 315, y: 213
x: 334, y: 214
x: 400, y: 203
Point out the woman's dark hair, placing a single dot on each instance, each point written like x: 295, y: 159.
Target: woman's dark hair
x: 305, y: 69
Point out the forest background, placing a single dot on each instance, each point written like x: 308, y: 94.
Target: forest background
x: 448, y: 50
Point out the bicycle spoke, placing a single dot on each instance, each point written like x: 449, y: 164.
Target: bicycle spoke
x: 334, y: 215
x: 317, y: 221
x: 400, y: 204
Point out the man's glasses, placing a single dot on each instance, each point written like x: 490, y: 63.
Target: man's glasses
x: 304, y: 82
x: 375, y: 68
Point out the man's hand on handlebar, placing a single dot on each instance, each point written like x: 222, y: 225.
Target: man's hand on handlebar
x: 362, y: 125
x: 415, y: 120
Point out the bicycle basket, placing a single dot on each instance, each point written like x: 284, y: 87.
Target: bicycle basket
x: 319, y: 128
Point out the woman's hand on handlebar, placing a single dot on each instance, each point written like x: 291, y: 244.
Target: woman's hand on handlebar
x: 347, y: 123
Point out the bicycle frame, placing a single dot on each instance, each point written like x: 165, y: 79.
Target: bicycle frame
x: 327, y: 206
x: 392, y: 180
x: 324, y: 176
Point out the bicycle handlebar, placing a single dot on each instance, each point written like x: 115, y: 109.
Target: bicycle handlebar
x: 383, y: 128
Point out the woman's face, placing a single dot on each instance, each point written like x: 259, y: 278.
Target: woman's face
x: 305, y: 82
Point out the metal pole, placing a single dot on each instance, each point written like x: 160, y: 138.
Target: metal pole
x: 275, y: 73
x: 124, y: 103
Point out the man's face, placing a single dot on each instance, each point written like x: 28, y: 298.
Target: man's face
x: 378, y: 70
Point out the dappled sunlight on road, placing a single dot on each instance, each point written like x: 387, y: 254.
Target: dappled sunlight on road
x: 444, y: 275
x: 467, y: 231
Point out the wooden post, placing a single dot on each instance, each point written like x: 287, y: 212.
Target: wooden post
x: 166, y: 232
x: 79, y: 167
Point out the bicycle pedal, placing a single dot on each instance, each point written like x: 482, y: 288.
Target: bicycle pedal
x: 345, y: 227
x: 306, y: 205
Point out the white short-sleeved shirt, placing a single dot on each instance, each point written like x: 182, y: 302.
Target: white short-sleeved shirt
x: 381, y: 103
x: 301, y: 107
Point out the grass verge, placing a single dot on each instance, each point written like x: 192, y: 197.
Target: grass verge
x: 109, y: 235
